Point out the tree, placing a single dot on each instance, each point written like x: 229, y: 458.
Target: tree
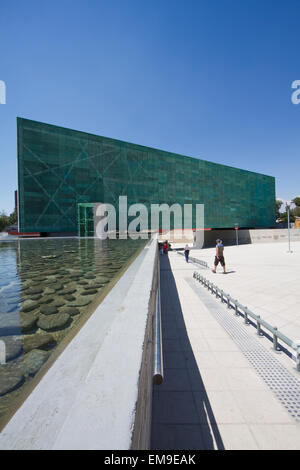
x: 278, y: 206
x: 296, y: 201
x: 296, y: 211
x: 13, y: 219
x: 284, y: 217
x: 4, y: 220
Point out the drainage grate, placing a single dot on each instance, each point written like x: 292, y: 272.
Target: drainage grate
x: 285, y: 386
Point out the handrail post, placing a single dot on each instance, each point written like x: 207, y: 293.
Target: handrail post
x: 236, y: 308
x: 275, y: 340
x: 228, y: 301
x: 246, y: 316
x: 258, y: 330
x: 297, y: 350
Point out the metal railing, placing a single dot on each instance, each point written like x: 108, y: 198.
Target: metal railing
x: 158, y: 373
x: 195, y: 260
x: 242, y: 310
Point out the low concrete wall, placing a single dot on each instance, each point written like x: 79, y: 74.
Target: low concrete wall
x: 97, y: 394
x: 273, y: 235
x: 178, y: 236
x: 141, y: 436
x: 247, y: 236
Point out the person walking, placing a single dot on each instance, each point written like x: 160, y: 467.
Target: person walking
x: 186, y: 253
x: 219, y: 257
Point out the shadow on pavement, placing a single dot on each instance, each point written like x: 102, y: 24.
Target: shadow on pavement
x: 182, y: 418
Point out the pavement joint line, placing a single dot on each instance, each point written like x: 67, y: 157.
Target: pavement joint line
x: 279, y: 380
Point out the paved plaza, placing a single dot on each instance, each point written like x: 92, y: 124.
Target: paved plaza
x: 212, y: 396
x: 265, y: 278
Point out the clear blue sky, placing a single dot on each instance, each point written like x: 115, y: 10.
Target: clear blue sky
x: 205, y: 78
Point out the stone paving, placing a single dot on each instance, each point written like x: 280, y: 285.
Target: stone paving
x: 265, y: 278
x: 212, y: 397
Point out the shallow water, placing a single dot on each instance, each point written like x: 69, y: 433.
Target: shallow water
x: 46, y: 288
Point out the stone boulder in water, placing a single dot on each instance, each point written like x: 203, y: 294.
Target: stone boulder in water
x: 33, y: 361
x: 29, y: 305
x: 48, y: 309
x: 37, y: 341
x: 80, y: 302
x: 9, y: 379
x: 54, y: 322
x: 13, y: 346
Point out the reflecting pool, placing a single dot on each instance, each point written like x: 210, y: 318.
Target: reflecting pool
x: 47, y: 287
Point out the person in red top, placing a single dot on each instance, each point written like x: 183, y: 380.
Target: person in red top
x: 166, y: 247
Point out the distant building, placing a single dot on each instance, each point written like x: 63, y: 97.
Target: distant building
x: 59, y: 168
x: 16, y: 203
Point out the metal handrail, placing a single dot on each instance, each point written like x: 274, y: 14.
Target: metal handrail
x: 233, y: 303
x: 195, y: 260
x: 158, y: 373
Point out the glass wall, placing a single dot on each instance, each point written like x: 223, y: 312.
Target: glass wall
x: 59, y: 168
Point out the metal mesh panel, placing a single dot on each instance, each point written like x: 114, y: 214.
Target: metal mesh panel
x: 59, y: 168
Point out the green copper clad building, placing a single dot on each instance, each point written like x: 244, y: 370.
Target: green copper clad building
x: 60, y: 168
